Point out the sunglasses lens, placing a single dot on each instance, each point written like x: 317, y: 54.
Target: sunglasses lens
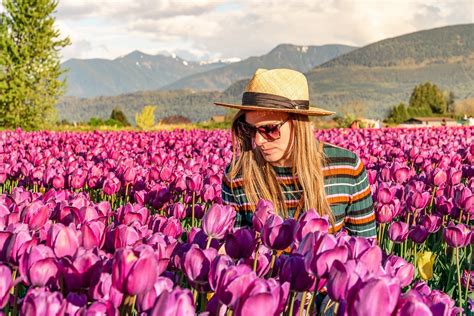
x: 270, y: 132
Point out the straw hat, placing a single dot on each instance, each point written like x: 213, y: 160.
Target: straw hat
x: 279, y: 90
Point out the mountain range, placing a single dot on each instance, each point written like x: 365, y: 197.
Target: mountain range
x: 368, y: 80
x: 138, y: 71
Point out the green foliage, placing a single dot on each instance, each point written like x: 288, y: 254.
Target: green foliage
x: 146, y: 119
x: 29, y: 63
x: 450, y: 100
x: 97, y: 122
x: 428, y: 96
x: 118, y: 115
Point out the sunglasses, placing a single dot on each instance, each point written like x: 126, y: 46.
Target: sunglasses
x: 270, y: 132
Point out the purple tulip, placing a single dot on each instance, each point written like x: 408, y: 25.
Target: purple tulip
x: 418, y: 234
x: 342, y: 277
x: 384, y: 195
x: 384, y: 291
x: 233, y: 283
x: 294, y: 272
x: 103, y: 290
x: 411, y: 304
x: 93, y: 234
x: 177, y: 210
x: 168, y: 226
x: 175, y: 303
x: 129, y: 213
x: 419, y: 200
x: 79, y: 271
x: 133, y: 271
x: 218, y: 220
x: 241, y: 243
x: 63, y: 240
x: 432, y: 223
x: 35, y: 215
x: 194, y: 183
x: 218, y: 266
x: 277, y: 233
x: 311, y: 222
x: 197, y: 264
x: 124, y: 236
x: 399, y: 268
x: 457, y: 235
x: 6, y: 283
x: 38, y: 266
x: 146, y: 301
x: 75, y: 302
x: 385, y: 213
x: 263, y: 296
x: 41, y: 302
x: 398, y: 232
x: 439, y: 177
x: 263, y: 210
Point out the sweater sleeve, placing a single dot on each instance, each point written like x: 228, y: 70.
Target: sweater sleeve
x: 360, y: 216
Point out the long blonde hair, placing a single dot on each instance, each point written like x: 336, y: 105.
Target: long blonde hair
x: 259, y: 178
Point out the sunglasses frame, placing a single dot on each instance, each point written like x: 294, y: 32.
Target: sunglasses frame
x: 250, y: 130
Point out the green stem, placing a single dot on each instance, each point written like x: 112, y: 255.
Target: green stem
x: 459, y: 278
x: 272, y: 264
x: 432, y: 198
x: 292, y: 302
x: 469, y: 260
x: 303, y: 299
x: 255, y: 260
x: 311, y: 300
x: 192, y: 210
x: 208, y: 242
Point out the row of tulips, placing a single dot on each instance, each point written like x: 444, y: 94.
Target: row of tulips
x: 422, y: 180
x: 146, y: 263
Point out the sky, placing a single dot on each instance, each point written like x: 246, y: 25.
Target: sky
x: 222, y: 29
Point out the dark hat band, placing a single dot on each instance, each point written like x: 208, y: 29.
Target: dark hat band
x: 266, y: 100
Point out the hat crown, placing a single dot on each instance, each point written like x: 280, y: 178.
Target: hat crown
x: 287, y: 83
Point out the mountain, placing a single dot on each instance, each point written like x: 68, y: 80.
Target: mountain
x: 133, y: 72
x: 301, y: 58
x: 384, y: 73
x: 349, y: 83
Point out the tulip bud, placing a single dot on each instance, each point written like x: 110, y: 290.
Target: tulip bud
x: 262, y: 211
x: 174, y: 303
x: 39, y: 301
x: 240, y: 244
x: 63, y: 240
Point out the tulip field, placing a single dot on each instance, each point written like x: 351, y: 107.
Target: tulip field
x: 132, y: 223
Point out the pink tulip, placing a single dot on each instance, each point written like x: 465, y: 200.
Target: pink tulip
x: 41, y: 302
x: 133, y: 271
x: 6, y: 283
x: 63, y: 240
x: 218, y: 220
x: 398, y: 232
x: 146, y: 301
x: 175, y: 303
x: 457, y: 235
x: 38, y: 266
x: 262, y: 211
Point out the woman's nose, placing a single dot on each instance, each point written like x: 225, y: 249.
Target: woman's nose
x: 259, y: 139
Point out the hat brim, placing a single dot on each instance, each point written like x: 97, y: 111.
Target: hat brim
x: 312, y: 111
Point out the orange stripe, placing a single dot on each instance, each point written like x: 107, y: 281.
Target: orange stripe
x: 361, y: 195
x: 338, y: 199
x: 360, y: 221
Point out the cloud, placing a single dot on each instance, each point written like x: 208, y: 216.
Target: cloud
x: 242, y: 28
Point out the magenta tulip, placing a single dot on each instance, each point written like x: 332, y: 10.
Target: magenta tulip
x: 457, y: 235
x: 41, y: 302
x: 398, y: 232
x: 146, y: 300
x: 218, y: 220
x: 38, y: 266
x: 133, y: 271
x: 277, y: 233
x: 263, y: 296
x: 263, y: 210
x: 6, y: 282
x: 175, y: 303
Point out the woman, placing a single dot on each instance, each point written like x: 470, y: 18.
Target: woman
x: 277, y: 158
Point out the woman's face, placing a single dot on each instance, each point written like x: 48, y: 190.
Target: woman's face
x: 276, y: 152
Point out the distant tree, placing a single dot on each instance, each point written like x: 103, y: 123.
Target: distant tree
x: 450, y: 102
x: 29, y: 63
x: 428, y: 96
x: 118, y: 115
x: 399, y: 113
x: 176, y: 119
x: 146, y: 119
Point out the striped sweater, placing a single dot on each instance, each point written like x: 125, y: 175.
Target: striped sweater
x: 346, y: 185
